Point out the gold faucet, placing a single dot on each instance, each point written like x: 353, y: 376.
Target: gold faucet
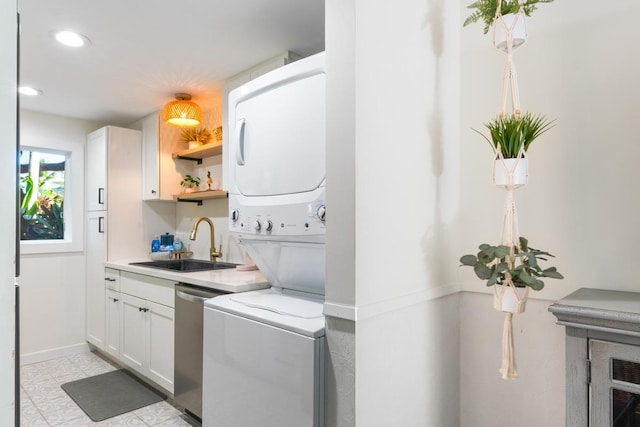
x: 214, y: 254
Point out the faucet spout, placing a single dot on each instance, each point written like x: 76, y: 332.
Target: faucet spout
x: 212, y: 250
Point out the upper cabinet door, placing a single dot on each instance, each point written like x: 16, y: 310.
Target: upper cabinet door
x: 96, y: 176
x: 150, y: 158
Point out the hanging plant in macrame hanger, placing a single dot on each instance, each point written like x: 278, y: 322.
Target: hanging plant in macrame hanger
x: 512, y: 267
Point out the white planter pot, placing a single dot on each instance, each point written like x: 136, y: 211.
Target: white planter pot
x: 510, y: 172
x: 502, y: 26
x: 510, y: 299
x: 193, y: 144
x: 190, y: 189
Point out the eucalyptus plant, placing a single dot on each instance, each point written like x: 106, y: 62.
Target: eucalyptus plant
x: 485, y: 10
x: 510, y: 133
x: 494, y: 263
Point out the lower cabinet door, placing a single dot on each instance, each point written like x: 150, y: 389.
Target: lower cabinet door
x: 95, y: 274
x: 134, y: 332
x: 160, y: 318
x: 615, y: 384
x: 113, y: 308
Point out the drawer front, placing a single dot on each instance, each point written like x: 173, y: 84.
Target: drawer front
x: 112, y: 279
x: 160, y: 291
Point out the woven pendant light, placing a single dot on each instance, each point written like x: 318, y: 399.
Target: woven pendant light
x: 182, y: 112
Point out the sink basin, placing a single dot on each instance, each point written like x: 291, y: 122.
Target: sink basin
x: 185, y: 265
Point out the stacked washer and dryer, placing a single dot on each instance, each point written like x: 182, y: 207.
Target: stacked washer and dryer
x: 264, y: 350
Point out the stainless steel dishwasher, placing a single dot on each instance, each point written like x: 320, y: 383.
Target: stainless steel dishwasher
x: 189, y: 302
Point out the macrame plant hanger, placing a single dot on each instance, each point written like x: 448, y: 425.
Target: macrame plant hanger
x: 510, y: 233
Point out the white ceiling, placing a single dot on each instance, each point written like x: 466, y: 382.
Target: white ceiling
x: 144, y: 51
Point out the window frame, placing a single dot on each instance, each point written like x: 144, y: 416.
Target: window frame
x: 73, y: 240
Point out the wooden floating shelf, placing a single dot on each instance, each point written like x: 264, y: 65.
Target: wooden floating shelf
x: 199, y: 153
x: 199, y: 196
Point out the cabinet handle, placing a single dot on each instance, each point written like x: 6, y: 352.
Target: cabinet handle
x: 109, y: 279
x: 153, y: 191
x: 115, y: 300
x: 100, y: 196
x: 143, y: 309
x: 100, y: 224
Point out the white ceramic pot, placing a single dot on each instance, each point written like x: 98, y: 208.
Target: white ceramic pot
x: 193, y: 144
x: 510, y: 172
x: 510, y: 299
x: 190, y: 189
x: 502, y: 26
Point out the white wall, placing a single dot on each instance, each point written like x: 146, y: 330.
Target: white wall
x: 217, y: 211
x: 580, y: 66
x: 397, y: 195
x: 8, y: 112
x: 536, y: 398
x: 52, y: 285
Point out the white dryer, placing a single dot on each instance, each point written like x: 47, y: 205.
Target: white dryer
x: 264, y: 350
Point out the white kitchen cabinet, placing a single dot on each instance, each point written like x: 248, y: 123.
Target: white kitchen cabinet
x: 113, y: 177
x: 134, y: 324
x: 114, y: 214
x: 94, y: 285
x: 112, y: 310
x: 161, y: 344
x: 96, y: 171
x: 161, y: 175
x: 147, y: 325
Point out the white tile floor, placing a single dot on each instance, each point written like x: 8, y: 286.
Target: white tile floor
x: 44, y: 403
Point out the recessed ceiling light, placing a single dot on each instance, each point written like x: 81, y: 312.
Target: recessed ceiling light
x: 71, y: 38
x: 29, y: 91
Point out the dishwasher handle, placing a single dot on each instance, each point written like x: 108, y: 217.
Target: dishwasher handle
x: 196, y: 294
x: 192, y: 298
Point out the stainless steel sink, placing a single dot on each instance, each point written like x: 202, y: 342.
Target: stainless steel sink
x: 185, y: 265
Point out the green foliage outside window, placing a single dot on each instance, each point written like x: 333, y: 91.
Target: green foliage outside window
x: 42, y: 202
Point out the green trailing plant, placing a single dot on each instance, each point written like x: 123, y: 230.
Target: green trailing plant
x: 485, y: 10
x: 496, y: 263
x: 190, y: 181
x: 510, y: 133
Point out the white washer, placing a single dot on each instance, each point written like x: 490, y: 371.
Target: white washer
x: 263, y: 360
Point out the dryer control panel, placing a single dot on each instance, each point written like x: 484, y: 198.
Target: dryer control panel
x: 305, y: 218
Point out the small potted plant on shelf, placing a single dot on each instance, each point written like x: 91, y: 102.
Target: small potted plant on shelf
x: 515, y: 266
x: 510, y: 138
x: 190, y: 184
x: 510, y: 11
x: 195, y: 137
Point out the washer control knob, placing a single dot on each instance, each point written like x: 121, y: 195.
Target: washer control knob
x: 235, y: 215
x: 268, y: 225
x: 257, y: 226
x: 321, y: 212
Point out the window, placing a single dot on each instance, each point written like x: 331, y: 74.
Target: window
x: 51, y: 192
x: 42, y: 176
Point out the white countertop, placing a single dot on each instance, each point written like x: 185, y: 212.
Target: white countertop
x: 228, y: 280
